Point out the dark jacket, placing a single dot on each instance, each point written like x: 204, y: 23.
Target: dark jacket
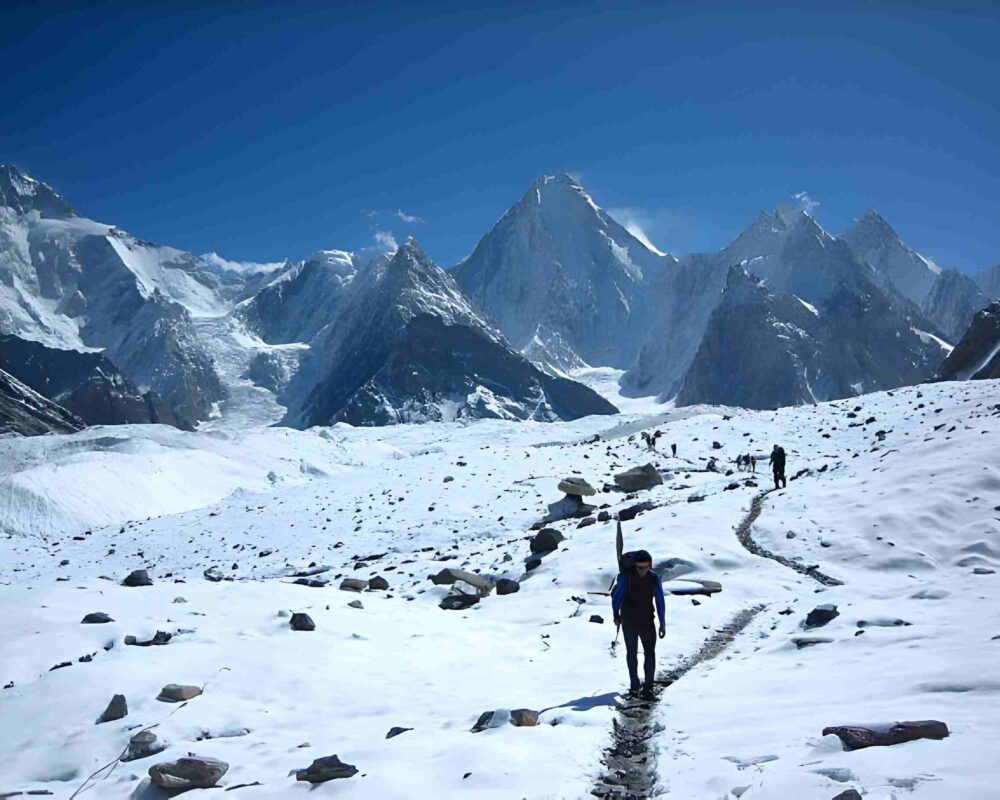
x: 778, y: 458
x: 633, y: 597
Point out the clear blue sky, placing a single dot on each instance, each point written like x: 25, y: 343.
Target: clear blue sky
x: 270, y: 131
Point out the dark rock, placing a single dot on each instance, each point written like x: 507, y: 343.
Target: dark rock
x: 546, y: 540
x: 809, y: 641
x: 457, y: 602
x: 508, y: 586
x: 138, y: 577
x: 117, y: 709
x: 159, y: 638
x: 570, y: 507
x: 586, y: 522
x: 353, y: 585
x: 378, y: 583
x: 395, y: 731
x: 633, y: 511
x: 856, y: 737
x: 850, y: 794
x: 576, y: 486
x: 97, y: 618
x: 696, y: 498
x: 532, y: 564
x: 597, y: 618
x: 313, y: 583
x: 604, y: 516
x: 356, y: 604
x: 821, y: 615
x: 524, y: 718
x: 191, y: 772
x: 326, y: 769
x: 716, y: 446
x: 699, y: 587
x: 490, y: 719
x: 302, y: 622
x: 638, y: 478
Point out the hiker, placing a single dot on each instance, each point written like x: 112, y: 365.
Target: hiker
x: 632, y: 597
x: 673, y: 450
x: 777, y: 462
x: 646, y: 440
x: 753, y: 464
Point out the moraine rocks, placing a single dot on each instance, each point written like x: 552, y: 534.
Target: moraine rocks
x: 192, y: 772
x: 326, y: 769
x: 856, y: 737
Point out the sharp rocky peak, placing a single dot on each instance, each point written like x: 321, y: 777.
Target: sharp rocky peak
x: 21, y: 192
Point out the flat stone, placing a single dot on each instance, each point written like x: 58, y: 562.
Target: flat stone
x: 576, y: 486
x: 546, y: 540
x: 97, y: 618
x: 353, y: 585
x: 449, y: 576
x: 491, y: 719
x: 138, y: 577
x: 586, y: 522
x: 117, y: 709
x: 633, y: 511
x: 856, y: 737
x: 326, y: 769
x: 395, y: 731
x: 302, y: 622
x: 142, y: 745
x: 597, y: 618
x: 696, y: 587
x: 524, y: 718
x: 178, y: 693
x: 191, y: 772
x: 355, y: 604
x: 638, y: 478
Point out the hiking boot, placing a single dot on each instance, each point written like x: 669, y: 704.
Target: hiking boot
x: 634, y: 692
x: 647, y: 693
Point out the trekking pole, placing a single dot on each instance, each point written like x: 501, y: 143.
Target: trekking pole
x: 614, y: 644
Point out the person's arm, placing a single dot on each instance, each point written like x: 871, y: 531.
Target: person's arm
x: 617, y: 594
x: 661, y: 606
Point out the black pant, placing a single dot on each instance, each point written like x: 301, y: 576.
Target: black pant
x: 634, y: 631
x: 779, y: 477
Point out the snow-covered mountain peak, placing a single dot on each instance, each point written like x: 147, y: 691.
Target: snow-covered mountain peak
x: 791, y: 216
x: 22, y: 193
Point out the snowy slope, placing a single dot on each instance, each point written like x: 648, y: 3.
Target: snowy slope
x: 904, y: 523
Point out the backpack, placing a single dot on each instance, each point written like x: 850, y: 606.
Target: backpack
x: 625, y: 566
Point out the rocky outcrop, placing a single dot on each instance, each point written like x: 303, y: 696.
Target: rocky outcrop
x: 977, y: 355
x: 26, y: 412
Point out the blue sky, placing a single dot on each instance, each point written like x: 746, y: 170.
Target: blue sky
x: 270, y: 131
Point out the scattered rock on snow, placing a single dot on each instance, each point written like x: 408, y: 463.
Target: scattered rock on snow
x: 143, y: 744
x: 809, y: 641
x: 353, y: 585
x: 856, y: 737
x: 850, y: 794
x: 159, y: 638
x: 326, y: 769
x: 191, y: 772
x: 821, y: 615
x: 449, y: 575
x: 138, y: 577
x: 395, y: 731
x: 491, y: 719
x: 633, y: 511
x: 597, y: 618
x: 355, y: 604
x: 524, y: 718
x: 117, y: 709
x: 576, y: 486
x: 546, y: 540
x: 378, y: 583
x: 570, y: 507
x: 97, y: 618
x: 508, y: 586
x: 178, y: 693
x: 302, y: 622
x: 638, y: 478
x: 457, y: 602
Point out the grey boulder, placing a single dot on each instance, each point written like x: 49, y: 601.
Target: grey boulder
x: 546, y: 540
x: 117, y: 709
x: 326, y: 769
x: 821, y: 615
x: 138, y: 577
x: 576, y: 486
x: 192, y: 772
x: 302, y: 622
x: 508, y: 586
x: 97, y: 618
x: 638, y: 478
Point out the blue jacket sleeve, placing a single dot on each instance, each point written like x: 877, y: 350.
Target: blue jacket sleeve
x: 660, y: 604
x: 617, y: 594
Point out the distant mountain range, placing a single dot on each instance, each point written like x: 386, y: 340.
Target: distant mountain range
x: 110, y: 329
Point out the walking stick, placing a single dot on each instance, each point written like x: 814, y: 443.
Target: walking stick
x: 619, y: 546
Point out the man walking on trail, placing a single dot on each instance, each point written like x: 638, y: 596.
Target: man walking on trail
x: 777, y: 461
x: 632, y: 598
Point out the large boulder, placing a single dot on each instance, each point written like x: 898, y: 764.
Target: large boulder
x: 508, y: 586
x: 192, y: 772
x: 546, y: 540
x: 326, y: 769
x: 856, y: 737
x: 178, y: 693
x: 576, y: 486
x: 301, y: 621
x: 638, y: 478
x: 353, y: 585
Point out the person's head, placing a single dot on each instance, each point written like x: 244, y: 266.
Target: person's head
x: 776, y: 447
x: 643, y: 563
